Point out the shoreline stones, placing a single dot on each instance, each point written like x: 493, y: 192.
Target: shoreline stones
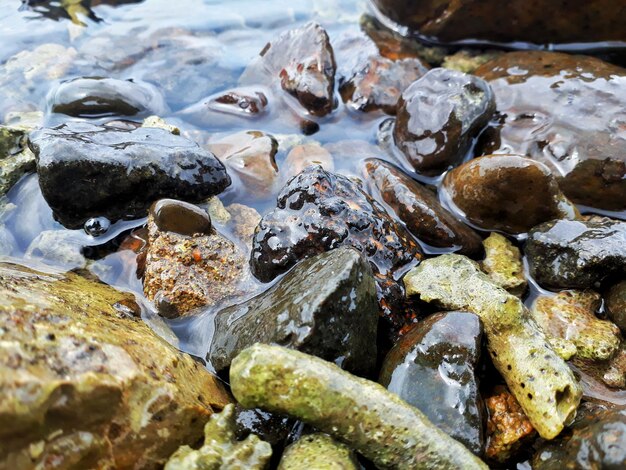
x: 540, y: 380
x: 118, y: 173
x: 437, y: 117
x: 433, y: 367
x: 325, y: 306
x: 420, y: 210
x: 86, y: 384
x: 564, y: 111
x: 318, y: 211
x: 318, y: 451
x: 360, y: 413
x: 506, y: 192
x: 576, y: 254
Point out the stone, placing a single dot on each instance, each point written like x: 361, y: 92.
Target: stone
x: 16, y: 159
x: 539, y: 22
x: 570, y: 316
x: 420, y: 209
x: 509, y: 193
x: 576, y: 254
x: 609, y: 373
x: 60, y: 248
x: 103, y: 390
x: 503, y: 264
x: 362, y: 414
x: 433, y: 367
x: 159, y: 123
x: 564, y: 111
x: 302, y: 155
x: 326, y: 306
x: 221, y: 448
x: 302, y: 62
x: 244, y: 222
x: 269, y: 427
x: 251, y: 156
x: 508, y: 428
x: 438, y: 116
x: 616, y: 304
x: 189, y: 270
x: 318, y: 451
x: 540, y: 380
x: 99, y: 97
x: 597, y: 440
x: 318, y: 211
x: 88, y: 171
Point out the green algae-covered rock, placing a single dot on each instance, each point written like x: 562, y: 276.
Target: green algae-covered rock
x: 539, y: 379
x: 358, y: 412
x: 221, y: 450
x: 503, y: 264
x: 16, y: 159
x: 85, y: 383
x: 318, y: 452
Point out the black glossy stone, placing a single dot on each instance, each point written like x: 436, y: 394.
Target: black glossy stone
x: 89, y: 171
x: 433, y: 367
x: 326, y: 306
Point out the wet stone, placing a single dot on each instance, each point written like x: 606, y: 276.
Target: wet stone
x: 438, y: 116
x: 565, y: 111
x: 506, y: 192
x: 244, y: 220
x: 180, y: 217
x: 16, y: 159
x: 576, y: 254
x: 616, y: 304
x: 303, y: 155
x: 302, y: 62
x: 240, y: 101
x: 318, y: 211
x: 98, y: 97
x: 420, y: 210
x: 325, y: 306
x: 503, y: 264
x: 89, y: 171
x: 270, y: 427
x: 318, y: 451
x: 433, y: 367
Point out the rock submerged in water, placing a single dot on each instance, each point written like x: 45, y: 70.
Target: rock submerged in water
x: 16, y: 158
x: 539, y: 379
x: 576, y: 254
x: 506, y: 192
x: 99, y: 97
x: 119, y: 173
x: 302, y: 62
x: 221, y: 449
x: 420, y: 210
x: 565, y: 111
x: 433, y: 367
x: 318, y: 211
x: 318, y: 451
x: 188, y: 263
x: 103, y: 390
x: 360, y: 413
x: 325, y: 306
x: 438, y: 116
x: 539, y: 22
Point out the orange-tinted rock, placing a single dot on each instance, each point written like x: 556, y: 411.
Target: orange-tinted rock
x: 506, y: 192
x: 566, y: 112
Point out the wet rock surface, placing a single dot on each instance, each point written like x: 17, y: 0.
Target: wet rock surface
x: 360, y: 413
x: 566, y: 112
x: 188, y: 264
x: 318, y: 211
x: 325, y: 306
x: 16, y: 159
x: 270, y: 427
x: 503, y: 264
x: 107, y: 168
x: 98, y: 97
x: 576, y: 254
x: 616, y: 304
x: 303, y: 155
x: 539, y: 379
x: 506, y: 192
x: 433, y: 367
x: 221, y: 448
x: 101, y: 386
x: 419, y: 209
x: 437, y: 117
x: 597, y: 440
x: 302, y: 61
x: 539, y: 21
x: 317, y: 451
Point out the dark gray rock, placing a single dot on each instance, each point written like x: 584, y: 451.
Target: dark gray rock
x: 325, y: 306
x: 576, y: 254
x: 437, y: 117
x: 96, y: 97
x: 433, y: 368
x: 88, y: 171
